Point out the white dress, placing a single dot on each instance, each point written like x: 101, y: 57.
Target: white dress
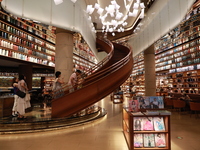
x: 21, y: 101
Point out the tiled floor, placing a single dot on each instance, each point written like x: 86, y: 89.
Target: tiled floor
x: 104, y: 134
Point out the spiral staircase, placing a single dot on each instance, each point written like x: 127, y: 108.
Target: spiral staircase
x: 101, y: 80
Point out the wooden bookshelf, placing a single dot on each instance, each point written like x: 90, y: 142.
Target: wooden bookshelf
x: 129, y: 132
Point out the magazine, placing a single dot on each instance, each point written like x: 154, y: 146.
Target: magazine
x: 133, y: 105
x: 138, y: 140
x: 156, y: 102
x: 158, y: 124
x: 160, y: 140
x: 147, y: 123
x: 137, y: 124
x: 149, y: 140
x: 150, y: 102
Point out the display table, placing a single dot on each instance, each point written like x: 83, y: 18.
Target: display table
x: 140, y: 134
x: 6, y: 105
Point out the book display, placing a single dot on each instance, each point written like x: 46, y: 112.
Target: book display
x: 26, y: 40
x: 178, y: 57
x: 83, y: 57
x: 146, y: 131
x: 138, y: 74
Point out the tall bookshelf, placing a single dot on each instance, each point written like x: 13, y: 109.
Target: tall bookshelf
x: 178, y: 56
x: 138, y: 74
x: 26, y: 40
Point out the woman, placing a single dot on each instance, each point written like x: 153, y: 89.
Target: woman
x: 14, y: 85
x: 57, y: 85
x: 21, y: 106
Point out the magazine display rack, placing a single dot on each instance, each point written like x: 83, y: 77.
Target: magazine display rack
x: 146, y: 132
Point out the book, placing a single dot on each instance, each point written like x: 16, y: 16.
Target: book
x: 143, y: 102
x: 159, y: 124
x: 160, y: 140
x: 133, y: 105
x: 149, y: 140
x: 150, y: 102
x: 147, y: 123
x: 138, y: 140
x: 156, y: 102
x: 137, y: 124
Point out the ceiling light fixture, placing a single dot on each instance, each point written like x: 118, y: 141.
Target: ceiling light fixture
x: 57, y: 2
x: 118, y: 19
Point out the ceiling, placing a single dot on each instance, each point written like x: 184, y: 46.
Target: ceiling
x: 132, y: 22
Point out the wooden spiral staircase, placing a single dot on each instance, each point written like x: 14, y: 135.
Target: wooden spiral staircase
x: 102, y: 79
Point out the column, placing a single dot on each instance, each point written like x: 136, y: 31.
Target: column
x: 150, y: 75
x: 64, y: 53
x: 27, y: 71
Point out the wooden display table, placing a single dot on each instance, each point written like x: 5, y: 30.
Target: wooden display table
x: 131, y: 132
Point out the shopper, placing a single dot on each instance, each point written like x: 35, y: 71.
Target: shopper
x: 57, y: 85
x: 21, y: 106
x: 73, y: 80
x: 14, y: 85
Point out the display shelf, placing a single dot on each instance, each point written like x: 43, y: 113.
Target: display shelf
x: 28, y: 42
x: 178, y: 53
x: 29, y: 26
x: 26, y: 39
x: 83, y: 57
x: 138, y: 74
x: 131, y: 133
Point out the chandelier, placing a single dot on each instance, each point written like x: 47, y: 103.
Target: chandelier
x: 111, y: 18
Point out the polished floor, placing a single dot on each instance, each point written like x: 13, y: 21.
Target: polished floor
x: 103, y: 134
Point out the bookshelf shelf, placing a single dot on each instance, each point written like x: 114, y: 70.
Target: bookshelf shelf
x: 130, y: 133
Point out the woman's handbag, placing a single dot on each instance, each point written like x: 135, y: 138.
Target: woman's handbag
x: 20, y: 93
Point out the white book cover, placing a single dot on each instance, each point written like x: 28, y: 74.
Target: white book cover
x: 160, y: 140
x: 159, y: 124
x: 138, y: 140
x: 147, y: 123
x: 137, y: 124
x: 149, y: 140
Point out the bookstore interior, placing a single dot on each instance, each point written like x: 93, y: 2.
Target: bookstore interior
x: 145, y: 119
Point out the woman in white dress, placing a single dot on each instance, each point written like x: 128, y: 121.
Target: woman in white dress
x: 22, y: 86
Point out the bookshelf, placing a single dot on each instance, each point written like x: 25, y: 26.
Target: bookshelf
x: 177, y: 57
x: 26, y: 40
x: 138, y: 74
x: 83, y: 57
x: 129, y: 131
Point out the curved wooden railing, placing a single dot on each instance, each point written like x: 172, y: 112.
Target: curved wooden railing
x: 104, y: 44
x: 97, y: 85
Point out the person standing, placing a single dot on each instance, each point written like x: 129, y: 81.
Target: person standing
x: 14, y: 85
x: 73, y: 80
x: 57, y: 85
x: 22, y: 86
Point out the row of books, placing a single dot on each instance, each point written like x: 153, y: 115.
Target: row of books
x: 149, y: 140
x: 148, y: 124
